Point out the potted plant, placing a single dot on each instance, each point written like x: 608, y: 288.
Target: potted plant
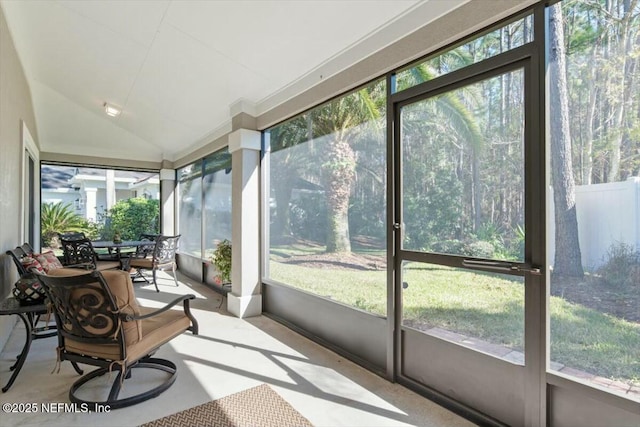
x: 221, y: 260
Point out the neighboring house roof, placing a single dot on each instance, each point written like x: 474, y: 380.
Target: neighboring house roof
x: 54, y: 177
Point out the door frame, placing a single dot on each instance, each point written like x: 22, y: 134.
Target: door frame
x: 536, y: 300
x: 30, y: 150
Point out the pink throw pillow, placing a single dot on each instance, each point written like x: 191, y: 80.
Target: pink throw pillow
x: 49, y: 261
x: 30, y: 264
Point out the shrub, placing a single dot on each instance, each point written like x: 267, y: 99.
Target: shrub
x: 450, y: 247
x: 132, y: 217
x: 481, y: 249
x: 221, y: 260
x: 622, y: 266
x: 59, y: 218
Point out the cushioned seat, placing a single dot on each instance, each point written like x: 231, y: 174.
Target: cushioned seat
x: 100, y: 323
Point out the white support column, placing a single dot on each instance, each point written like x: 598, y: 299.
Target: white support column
x: 111, y: 188
x: 91, y: 204
x: 167, y: 202
x: 245, y: 299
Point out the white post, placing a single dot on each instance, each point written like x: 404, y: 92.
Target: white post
x: 167, y: 204
x: 90, y: 205
x: 245, y: 299
x: 110, y: 186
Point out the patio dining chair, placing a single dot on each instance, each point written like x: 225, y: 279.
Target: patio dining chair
x: 79, y: 252
x: 101, y: 324
x: 163, y: 258
x: 146, y: 250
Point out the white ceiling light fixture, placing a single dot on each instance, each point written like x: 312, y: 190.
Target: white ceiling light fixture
x: 111, y: 110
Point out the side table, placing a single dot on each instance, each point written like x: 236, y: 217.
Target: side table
x: 30, y: 315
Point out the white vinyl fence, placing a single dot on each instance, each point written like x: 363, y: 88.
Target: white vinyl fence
x: 608, y: 214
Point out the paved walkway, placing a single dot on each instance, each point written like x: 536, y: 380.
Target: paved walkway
x: 517, y: 357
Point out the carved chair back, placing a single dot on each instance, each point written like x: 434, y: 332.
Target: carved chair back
x: 164, y: 254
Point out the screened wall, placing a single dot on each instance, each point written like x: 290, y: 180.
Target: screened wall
x: 204, y: 208
x: 327, y: 200
x: 450, y: 225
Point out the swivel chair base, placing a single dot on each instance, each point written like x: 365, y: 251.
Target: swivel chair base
x: 112, y: 401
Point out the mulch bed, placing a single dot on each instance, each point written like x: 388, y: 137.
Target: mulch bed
x: 598, y: 295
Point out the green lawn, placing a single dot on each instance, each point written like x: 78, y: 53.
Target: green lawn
x: 485, y: 306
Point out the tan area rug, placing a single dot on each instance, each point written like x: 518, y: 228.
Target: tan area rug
x: 256, y: 407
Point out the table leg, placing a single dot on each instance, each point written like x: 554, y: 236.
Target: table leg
x: 23, y: 354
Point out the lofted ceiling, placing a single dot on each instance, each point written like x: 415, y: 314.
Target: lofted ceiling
x: 176, y: 68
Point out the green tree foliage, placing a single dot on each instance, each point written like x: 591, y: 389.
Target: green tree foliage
x: 286, y: 171
x: 328, y: 152
x: 465, y: 149
x: 132, y: 217
x: 338, y: 123
x: 59, y: 218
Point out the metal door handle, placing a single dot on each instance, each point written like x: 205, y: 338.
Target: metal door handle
x: 502, y: 266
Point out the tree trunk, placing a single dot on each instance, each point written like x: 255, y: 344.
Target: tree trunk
x: 567, y: 251
x: 591, y: 113
x: 621, y: 98
x: 283, y: 180
x: 338, y: 172
x: 476, y: 190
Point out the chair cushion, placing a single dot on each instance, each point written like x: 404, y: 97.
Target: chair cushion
x: 107, y: 265
x: 142, y: 263
x: 121, y: 288
x: 48, y: 260
x: 156, y: 331
x: 68, y: 271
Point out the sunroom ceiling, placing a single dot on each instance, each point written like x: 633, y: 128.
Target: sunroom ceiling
x: 176, y: 67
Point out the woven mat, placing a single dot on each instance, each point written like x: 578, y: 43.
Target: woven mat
x: 257, y: 406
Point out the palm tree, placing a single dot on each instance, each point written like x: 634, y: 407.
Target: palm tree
x: 338, y: 123
x: 57, y: 218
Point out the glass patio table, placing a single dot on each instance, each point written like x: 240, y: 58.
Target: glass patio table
x: 111, y: 246
x: 117, y: 246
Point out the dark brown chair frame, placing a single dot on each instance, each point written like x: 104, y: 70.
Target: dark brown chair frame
x: 79, y: 252
x: 97, y: 309
x: 18, y: 253
x: 32, y: 317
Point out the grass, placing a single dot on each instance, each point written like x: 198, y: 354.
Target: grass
x: 485, y: 306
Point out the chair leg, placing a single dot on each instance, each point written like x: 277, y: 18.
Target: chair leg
x: 117, y: 384
x: 175, y: 278
x: 77, y: 368
x: 154, y: 280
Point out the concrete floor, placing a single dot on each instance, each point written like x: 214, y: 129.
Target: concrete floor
x: 229, y: 355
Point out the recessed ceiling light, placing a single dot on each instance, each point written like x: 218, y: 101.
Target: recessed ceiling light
x: 111, y: 110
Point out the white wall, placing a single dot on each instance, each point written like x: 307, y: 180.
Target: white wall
x: 15, y: 107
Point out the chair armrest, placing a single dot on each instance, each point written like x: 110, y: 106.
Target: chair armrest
x: 128, y: 317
